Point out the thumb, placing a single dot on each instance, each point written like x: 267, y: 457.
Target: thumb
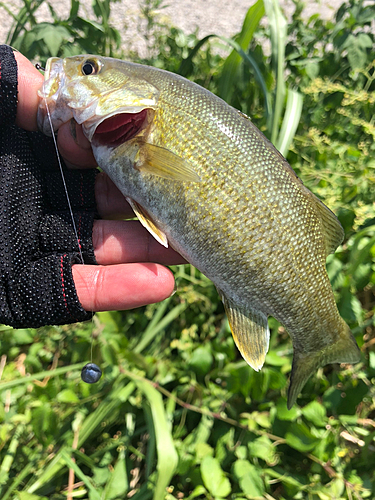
x: 29, y: 82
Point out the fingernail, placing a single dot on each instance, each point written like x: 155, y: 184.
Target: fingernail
x: 174, y: 289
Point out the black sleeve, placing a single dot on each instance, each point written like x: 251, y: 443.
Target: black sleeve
x: 37, y: 242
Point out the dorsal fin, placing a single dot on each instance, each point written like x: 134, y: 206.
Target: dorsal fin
x: 333, y: 231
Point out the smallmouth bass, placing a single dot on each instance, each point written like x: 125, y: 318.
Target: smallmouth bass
x: 202, y: 178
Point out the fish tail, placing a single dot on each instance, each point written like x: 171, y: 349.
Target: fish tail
x: 344, y: 350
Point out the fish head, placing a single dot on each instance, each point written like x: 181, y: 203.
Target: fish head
x: 111, y: 99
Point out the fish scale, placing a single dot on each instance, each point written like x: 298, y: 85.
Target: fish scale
x: 202, y: 178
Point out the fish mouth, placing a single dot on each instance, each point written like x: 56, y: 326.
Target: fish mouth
x: 119, y: 128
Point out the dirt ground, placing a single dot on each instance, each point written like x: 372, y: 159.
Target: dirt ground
x: 209, y: 16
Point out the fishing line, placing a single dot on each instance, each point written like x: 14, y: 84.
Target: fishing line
x: 92, y: 343
x: 91, y: 373
x: 63, y: 180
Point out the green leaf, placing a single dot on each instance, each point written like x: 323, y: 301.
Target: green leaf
x: 372, y: 360
x: 202, y: 450
x: 263, y: 448
x: 249, y: 478
x: 316, y: 413
x: 214, y: 478
x: 23, y: 336
x: 350, y: 307
x: 197, y: 492
x: 233, y: 61
x: 336, y: 488
x: 301, y: 438
x: 274, y: 358
x: 335, y: 271
x: 67, y: 396
x: 52, y: 36
x: 283, y: 413
x: 44, y: 421
x: 201, y: 360
x: 117, y: 485
x: 356, y: 46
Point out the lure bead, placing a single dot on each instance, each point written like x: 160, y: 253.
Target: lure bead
x: 91, y: 373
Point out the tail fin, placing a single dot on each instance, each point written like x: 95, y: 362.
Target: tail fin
x: 345, y: 350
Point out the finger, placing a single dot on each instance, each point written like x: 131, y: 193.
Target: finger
x: 120, y: 287
x: 118, y: 242
x: 74, y: 147
x: 29, y: 82
x: 110, y: 202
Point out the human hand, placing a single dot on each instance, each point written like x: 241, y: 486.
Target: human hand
x: 131, y: 268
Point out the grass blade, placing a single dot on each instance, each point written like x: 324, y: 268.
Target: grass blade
x: 17, y: 481
x: 9, y: 456
x: 49, y: 473
x: 278, y: 34
x: 154, y: 328
x: 250, y: 61
x: 41, y: 375
x: 187, y: 64
x: 94, y: 495
x: 167, y: 455
x: 291, y: 120
x: 233, y: 61
x: 105, y: 410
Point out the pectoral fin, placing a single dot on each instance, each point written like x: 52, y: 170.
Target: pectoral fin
x: 250, y: 332
x: 163, y: 163
x: 147, y: 222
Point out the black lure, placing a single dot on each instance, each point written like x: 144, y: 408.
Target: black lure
x: 91, y: 373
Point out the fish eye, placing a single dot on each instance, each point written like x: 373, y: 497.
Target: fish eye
x: 90, y: 67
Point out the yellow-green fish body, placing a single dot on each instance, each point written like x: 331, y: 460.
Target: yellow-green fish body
x: 201, y: 176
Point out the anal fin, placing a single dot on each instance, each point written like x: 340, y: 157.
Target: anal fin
x: 146, y: 221
x: 250, y: 332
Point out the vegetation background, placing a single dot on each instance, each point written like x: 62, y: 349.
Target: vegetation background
x: 178, y: 414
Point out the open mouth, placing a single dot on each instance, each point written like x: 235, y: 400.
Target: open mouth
x: 119, y: 128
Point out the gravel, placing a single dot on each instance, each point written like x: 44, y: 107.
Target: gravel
x: 208, y: 16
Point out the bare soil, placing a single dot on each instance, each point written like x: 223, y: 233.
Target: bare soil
x: 206, y: 16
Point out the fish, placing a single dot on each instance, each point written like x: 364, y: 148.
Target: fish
x: 203, y: 179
